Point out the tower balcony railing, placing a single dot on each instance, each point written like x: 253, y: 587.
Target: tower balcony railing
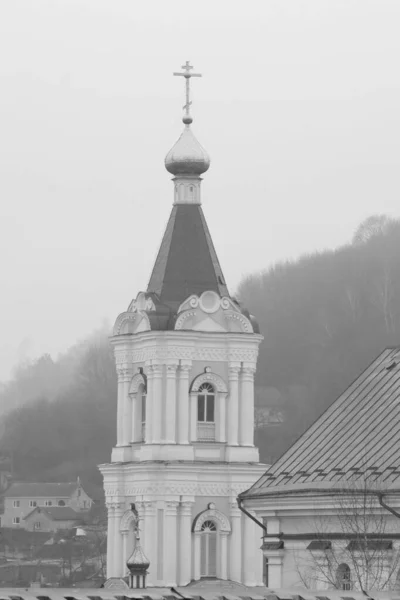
x: 206, y: 432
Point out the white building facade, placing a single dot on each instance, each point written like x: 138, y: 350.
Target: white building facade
x: 186, y: 355
x: 330, y: 504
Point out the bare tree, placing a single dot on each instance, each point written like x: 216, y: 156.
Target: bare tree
x: 354, y: 547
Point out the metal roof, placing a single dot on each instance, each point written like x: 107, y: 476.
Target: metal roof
x: 186, y: 262
x: 56, y: 513
x: 208, y: 593
x: 40, y: 490
x: 357, y: 436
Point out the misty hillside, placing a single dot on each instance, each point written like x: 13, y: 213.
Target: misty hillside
x: 324, y: 318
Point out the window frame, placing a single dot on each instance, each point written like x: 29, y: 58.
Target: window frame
x: 17, y: 504
x: 16, y: 520
x: 33, y: 503
x: 206, y: 395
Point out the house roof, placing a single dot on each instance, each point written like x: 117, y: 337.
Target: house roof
x: 41, y: 490
x: 357, y: 436
x: 186, y: 263
x: 56, y: 513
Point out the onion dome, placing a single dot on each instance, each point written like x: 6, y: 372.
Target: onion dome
x: 188, y: 156
x: 138, y: 562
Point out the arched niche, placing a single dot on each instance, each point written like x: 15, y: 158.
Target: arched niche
x: 128, y: 520
x: 137, y: 381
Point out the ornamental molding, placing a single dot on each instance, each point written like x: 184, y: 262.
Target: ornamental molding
x: 133, y: 317
x: 182, y: 318
x: 244, y: 322
x: 215, y: 515
x: 127, y: 519
x: 137, y: 380
x: 184, y: 489
x: 142, y: 302
x: 141, y: 355
x: 124, y: 372
x: 213, y: 378
x: 209, y: 302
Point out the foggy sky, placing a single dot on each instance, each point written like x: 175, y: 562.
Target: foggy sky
x: 298, y: 107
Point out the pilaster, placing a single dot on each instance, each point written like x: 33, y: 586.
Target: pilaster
x: 235, y: 555
x: 149, y: 543
x: 149, y: 405
x: 183, y: 402
x: 170, y: 543
x: 157, y: 414
x: 233, y: 404
x: 246, y: 431
x: 185, y: 543
x: 170, y: 405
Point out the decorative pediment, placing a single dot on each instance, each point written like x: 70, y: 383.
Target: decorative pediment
x: 142, y: 302
x: 211, y: 313
x: 131, y: 322
x: 209, y: 302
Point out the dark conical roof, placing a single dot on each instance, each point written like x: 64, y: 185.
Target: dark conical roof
x: 187, y: 262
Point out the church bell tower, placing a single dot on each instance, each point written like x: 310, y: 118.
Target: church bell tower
x: 186, y: 354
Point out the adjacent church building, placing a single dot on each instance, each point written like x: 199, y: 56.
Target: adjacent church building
x: 330, y: 506
x: 186, y: 354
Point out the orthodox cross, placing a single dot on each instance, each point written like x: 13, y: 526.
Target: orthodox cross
x: 187, y: 67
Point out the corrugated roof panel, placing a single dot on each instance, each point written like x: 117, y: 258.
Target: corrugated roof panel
x: 360, y: 430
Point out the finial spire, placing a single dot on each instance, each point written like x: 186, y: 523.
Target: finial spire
x: 187, y: 74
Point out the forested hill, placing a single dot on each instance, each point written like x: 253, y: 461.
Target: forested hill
x: 324, y: 318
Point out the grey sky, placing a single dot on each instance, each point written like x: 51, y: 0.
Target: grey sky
x: 298, y: 107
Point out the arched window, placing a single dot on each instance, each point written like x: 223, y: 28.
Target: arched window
x: 208, y: 558
x: 61, y: 503
x: 206, y: 412
x: 343, y: 577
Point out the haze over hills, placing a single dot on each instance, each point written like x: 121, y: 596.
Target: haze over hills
x: 324, y: 317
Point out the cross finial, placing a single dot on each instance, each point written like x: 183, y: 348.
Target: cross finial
x: 187, y: 74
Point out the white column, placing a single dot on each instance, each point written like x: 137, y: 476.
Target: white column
x: 125, y: 551
x: 197, y: 558
x: 157, y: 416
x: 149, y: 545
x: 185, y: 543
x: 170, y: 544
x: 120, y: 404
x: 170, y: 404
x: 248, y: 552
x: 275, y: 571
x: 193, y: 416
x: 118, y: 554
x: 137, y: 418
x: 233, y: 404
x: 110, y: 539
x: 127, y: 407
x: 246, y: 433
x: 235, y: 562
x: 224, y: 555
x: 183, y: 403
x: 221, y: 433
x: 258, y: 561
x: 149, y: 405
